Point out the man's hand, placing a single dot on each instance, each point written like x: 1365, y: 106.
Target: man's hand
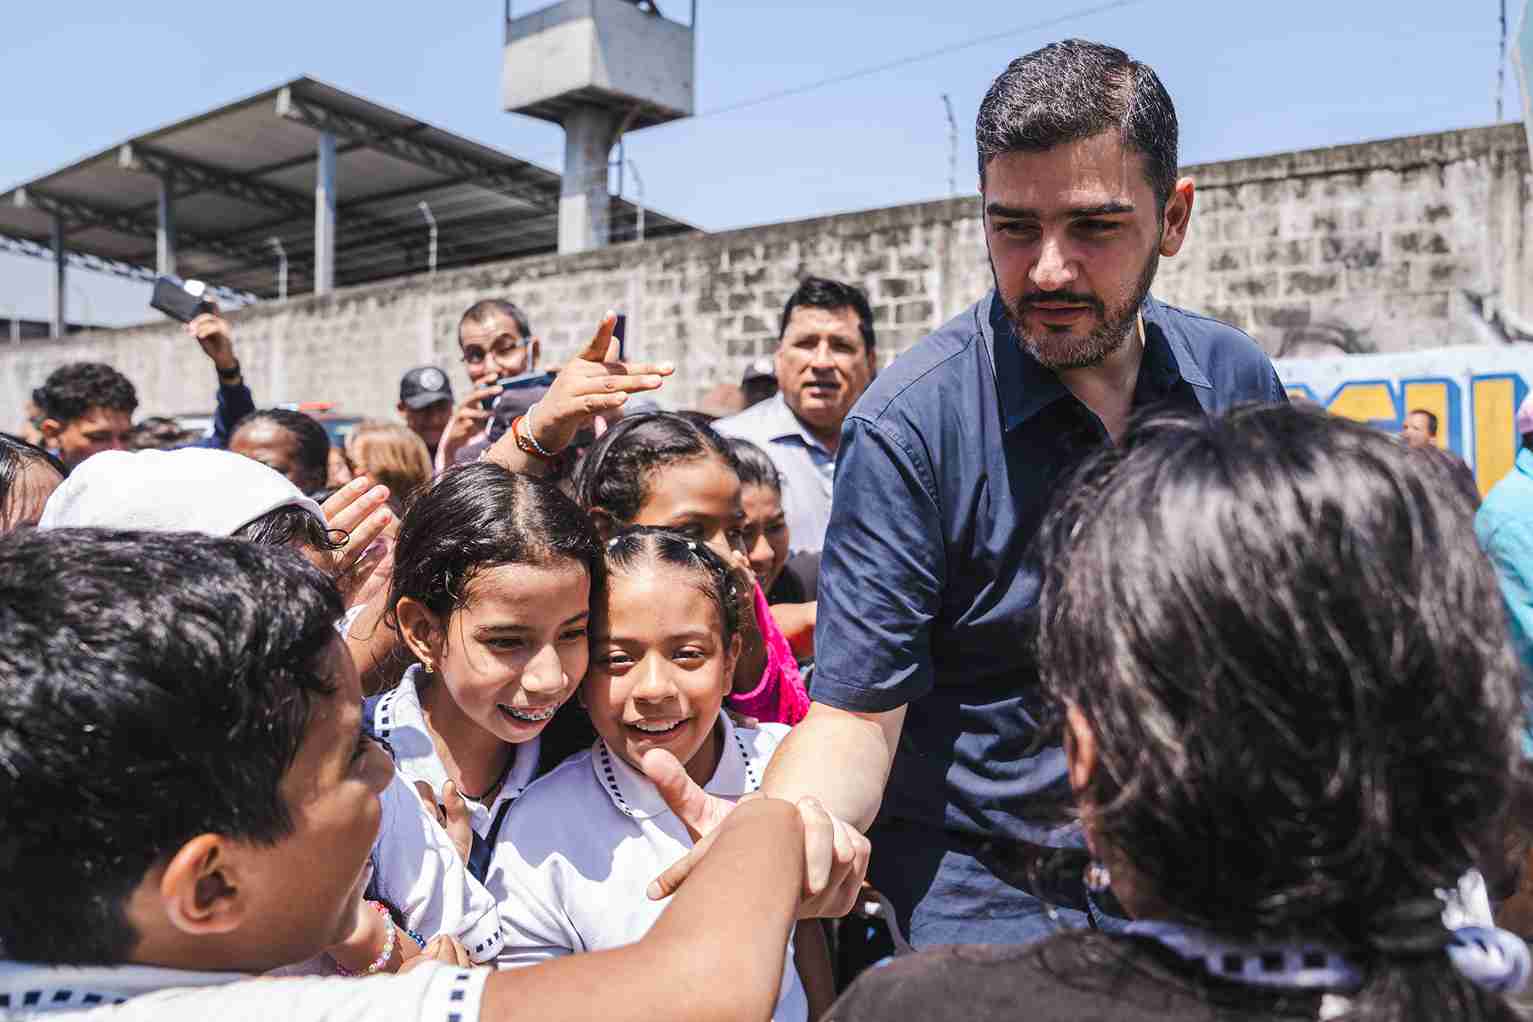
x: 214, y: 334
x: 835, y: 853
x: 468, y: 421
x: 587, y: 386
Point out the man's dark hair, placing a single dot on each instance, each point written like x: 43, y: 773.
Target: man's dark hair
x: 1431, y: 420
x: 312, y: 441
x: 830, y: 295
x: 153, y: 687
x: 72, y: 390
x: 1073, y: 90
x: 487, y: 307
x: 1306, y: 709
x: 158, y: 433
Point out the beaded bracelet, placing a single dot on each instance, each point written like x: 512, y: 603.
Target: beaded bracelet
x: 532, y: 439
x: 383, y: 956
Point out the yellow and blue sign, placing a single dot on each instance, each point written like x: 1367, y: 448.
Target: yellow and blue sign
x: 1473, y: 391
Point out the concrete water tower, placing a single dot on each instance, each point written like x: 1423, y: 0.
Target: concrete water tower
x: 600, y: 68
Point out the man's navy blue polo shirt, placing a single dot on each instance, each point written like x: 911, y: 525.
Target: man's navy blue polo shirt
x: 946, y: 466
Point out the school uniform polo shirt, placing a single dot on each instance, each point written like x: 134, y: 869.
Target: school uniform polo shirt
x: 576, y: 856
x: 807, y: 467
x: 947, y: 465
x: 397, y: 718
x: 434, y: 992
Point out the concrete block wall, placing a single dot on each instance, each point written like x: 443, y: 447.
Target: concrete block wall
x: 1396, y: 245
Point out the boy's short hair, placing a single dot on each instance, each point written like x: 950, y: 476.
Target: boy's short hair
x: 72, y: 390
x: 153, y: 687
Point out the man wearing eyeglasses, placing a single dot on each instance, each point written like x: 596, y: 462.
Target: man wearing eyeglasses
x: 495, y: 341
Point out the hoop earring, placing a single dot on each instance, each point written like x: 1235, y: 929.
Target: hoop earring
x: 1098, y: 878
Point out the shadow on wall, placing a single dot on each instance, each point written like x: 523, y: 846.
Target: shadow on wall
x: 1323, y: 340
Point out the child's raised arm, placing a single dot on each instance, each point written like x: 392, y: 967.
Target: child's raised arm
x: 716, y: 953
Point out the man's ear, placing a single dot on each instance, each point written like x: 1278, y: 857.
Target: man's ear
x: 401, y: 408
x: 420, y: 630
x: 534, y: 350
x: 1178, y: 215
x: 50, y: 428
x: 201, y: 889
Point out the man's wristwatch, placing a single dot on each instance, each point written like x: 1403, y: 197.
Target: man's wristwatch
x: 231, y: 374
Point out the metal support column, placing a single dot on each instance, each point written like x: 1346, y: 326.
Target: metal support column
x: 60, y: 280
x: 324, y: 215
x: 276, y: 243
x: 431, y: 223
x: 165, y: 230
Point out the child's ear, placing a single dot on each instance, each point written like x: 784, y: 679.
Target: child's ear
x: 420, y: 630
x: 201, y: 890
x: 606, y: 525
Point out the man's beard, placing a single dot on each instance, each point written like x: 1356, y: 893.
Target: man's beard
x: 1065, y: 351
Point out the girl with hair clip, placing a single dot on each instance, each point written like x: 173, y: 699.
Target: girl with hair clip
x: 671, y: 471
x: 572, y: 864
x: 493, y: 578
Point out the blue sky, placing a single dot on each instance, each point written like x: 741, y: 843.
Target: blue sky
x: 1247, y: 79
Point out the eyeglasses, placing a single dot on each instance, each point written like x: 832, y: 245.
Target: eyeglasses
x: 504, y: 347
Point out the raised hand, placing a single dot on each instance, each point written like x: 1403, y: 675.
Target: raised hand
x: 361, y: 511
x: 587, y: 386
x: 217, y: 339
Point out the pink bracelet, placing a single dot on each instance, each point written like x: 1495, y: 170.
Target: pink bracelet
x: 388, y: 946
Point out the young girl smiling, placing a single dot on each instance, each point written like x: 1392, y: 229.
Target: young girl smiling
x: 572, y: 864
x: 670, y: 471
x: 493, y: 574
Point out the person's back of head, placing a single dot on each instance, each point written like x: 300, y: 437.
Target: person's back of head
x: 1285, y: 657
x: 288, y: 441
x: 158, y: 433
x: 85, y: 408
x: 28, y: 477
x: 614, y: 477
x: 391, y: 454
x: 174, y: 711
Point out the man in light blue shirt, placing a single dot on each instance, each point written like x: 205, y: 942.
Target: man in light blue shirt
x: 825, y: 360
x: 1504, y: 527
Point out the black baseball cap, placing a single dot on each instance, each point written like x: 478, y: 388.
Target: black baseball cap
x: 423, y: 387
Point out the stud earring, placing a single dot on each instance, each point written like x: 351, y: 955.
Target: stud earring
x: 1098, y: 878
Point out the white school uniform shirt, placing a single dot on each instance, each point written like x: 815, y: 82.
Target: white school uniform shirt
x: 434, y: 992
x: 582, y: 844
x: 416, y: 869
x: 399, y: 720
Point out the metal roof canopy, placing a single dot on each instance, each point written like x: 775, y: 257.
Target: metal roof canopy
x: 218, y: 196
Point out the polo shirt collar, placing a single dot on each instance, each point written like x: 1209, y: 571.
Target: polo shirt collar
x: 43, y: 988
x: 1524, y: 462
x: 1026, y: 387
x: 399, y: 709
x: 739, y: 773
x: 782, y: 424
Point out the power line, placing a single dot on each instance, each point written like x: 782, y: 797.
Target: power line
x: 940, y: 51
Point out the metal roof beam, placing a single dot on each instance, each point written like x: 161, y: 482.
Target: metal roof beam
x: 101, y: 264
x: 83, y: 216
x: 410, y: 150
x: 192, y: 177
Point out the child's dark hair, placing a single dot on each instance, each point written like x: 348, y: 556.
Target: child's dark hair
x: 631, y: 550
x: 616, y: 471
x: 481, y: 516
x: 753, y: 465
x: 291, y: 526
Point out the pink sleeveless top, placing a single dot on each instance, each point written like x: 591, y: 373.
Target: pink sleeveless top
x: 780, y: 697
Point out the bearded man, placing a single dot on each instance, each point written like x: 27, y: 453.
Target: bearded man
x: 927, y: 713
